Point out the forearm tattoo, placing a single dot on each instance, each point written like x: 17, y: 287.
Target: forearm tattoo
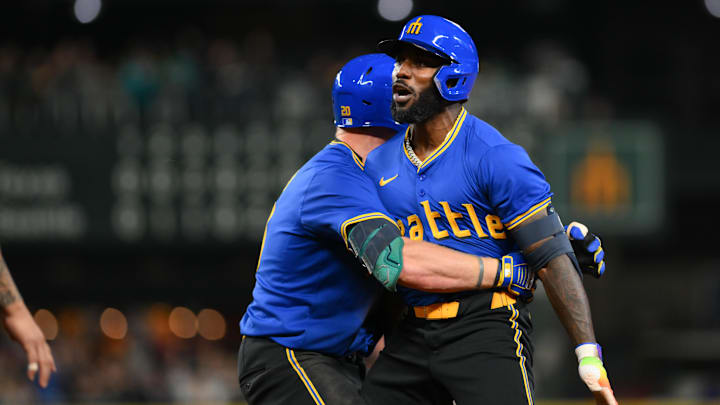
x: 480, y: 274
x: 7, y: 286
x: 567, y: 295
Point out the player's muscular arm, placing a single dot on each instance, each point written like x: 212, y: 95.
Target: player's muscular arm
x: 567, y: 295
x: 434, y: 268
x: 390, y: 258
x: 566, y: 292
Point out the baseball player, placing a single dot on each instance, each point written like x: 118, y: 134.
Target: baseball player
x: 304, y: 334
x: 454, y: 180
x: 22, y: 328
x: 306, y: 329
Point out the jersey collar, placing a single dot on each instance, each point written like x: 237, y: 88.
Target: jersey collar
x: 356, y: 157
x: 449, y: 138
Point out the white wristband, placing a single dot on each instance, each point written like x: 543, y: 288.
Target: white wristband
x: 587, y: 350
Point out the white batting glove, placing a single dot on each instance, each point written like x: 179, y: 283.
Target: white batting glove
x: 593, y: 374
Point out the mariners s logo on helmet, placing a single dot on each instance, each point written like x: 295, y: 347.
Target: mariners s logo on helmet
x: 447, y: 40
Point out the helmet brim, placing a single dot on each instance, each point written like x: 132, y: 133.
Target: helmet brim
x: 388, y: 47
x: 391, y: 47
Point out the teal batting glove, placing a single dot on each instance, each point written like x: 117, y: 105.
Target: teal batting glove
x: 389, y: 265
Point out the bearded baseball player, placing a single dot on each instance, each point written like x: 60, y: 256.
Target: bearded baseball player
x: 305, y: 332
x: 453, y: 180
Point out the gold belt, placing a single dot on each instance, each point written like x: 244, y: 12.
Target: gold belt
x: 440, y: 310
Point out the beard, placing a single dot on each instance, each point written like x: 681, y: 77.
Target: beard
x: 428, y: 104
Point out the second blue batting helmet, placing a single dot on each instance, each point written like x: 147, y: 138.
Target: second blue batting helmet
x: 362, y: 93
x: 448, y: 40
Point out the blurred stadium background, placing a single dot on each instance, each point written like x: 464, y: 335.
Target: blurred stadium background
x: 142, y: 144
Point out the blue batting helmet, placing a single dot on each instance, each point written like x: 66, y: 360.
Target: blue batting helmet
x: 448, y: 40
x: 362, y: 93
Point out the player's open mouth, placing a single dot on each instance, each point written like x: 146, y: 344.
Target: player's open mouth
x: 401, y: 93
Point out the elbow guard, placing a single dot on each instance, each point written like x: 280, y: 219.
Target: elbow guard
x: 378, y: 244
x: 557, y: 245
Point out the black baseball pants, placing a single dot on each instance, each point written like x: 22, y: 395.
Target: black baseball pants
x: 482, y: 356
x: 271, y: 374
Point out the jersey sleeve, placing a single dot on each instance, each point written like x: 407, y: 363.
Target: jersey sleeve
x: 516, y: 188
x: 338, y: 199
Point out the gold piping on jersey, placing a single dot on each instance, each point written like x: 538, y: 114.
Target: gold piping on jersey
x: 360, y: 218
x: 532, y: 211
x: 449, y: 138
x: 262, y: 245
x: 355, y: 156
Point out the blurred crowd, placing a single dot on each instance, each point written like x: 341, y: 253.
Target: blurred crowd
x: 276, y: 103
x: 80, y: 88
x: 208, y: 131
x: 74, y: 87
x: 148, y: 363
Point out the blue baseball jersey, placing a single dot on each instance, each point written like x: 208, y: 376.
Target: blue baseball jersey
x: 310, y: 292
x: 466, y: 195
